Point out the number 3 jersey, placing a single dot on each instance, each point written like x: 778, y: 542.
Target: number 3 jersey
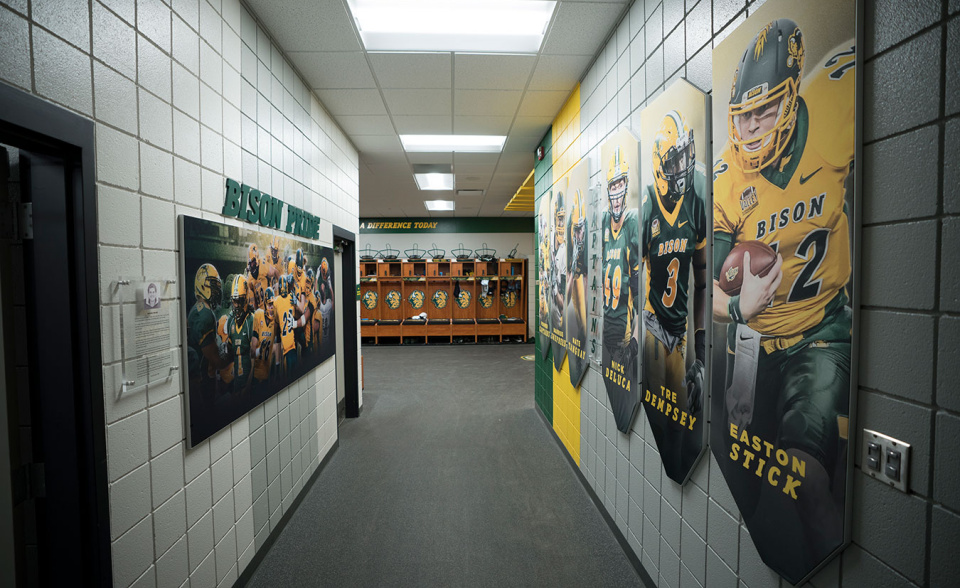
x: 620, y: 261
x: 669, y: 242
x: 798, y: 208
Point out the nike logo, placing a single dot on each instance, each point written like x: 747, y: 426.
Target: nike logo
x: 742, y: 338
x: 803, y: 179
x: 681, y: 224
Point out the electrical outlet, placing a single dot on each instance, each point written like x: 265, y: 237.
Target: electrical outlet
x: 886, y: 459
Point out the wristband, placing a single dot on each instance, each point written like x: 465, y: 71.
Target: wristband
x: 733, y: 308
x: 700, y: 345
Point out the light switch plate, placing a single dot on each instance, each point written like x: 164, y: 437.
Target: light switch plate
x: 887, y: 443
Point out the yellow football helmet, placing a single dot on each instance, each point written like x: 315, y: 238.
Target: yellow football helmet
x: 617, y: 179
x: 560, y: 220
x: 268, y: 305
x: 238, y: 295
x: 324, y: 269
x: 764, y: 99
x: 207, y: 285
x: 674, y: 157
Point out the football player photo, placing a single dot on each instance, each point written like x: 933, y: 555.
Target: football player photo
x: 543, y: 275
x: 558, y: 275
x: 576, y: 282
x: 621, y: 277
x: 673, y: 217
x: 783, y: 210
x: 256, y: 319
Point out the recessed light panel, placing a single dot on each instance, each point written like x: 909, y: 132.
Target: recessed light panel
x: 434, y: 181
x: 487, y: 26
x: 438, y: 204
x: 450, y: 143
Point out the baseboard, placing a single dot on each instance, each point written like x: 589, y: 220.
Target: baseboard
x: 624, y: 544
x: 262, y: 552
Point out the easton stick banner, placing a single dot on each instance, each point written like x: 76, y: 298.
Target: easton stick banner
x: 675, y: 151
x: 576, y: 287
x: 257, y: 315
x: 558, y: 271
x: 785, y: 117
x: 543, y: 275
x: 620, y: 251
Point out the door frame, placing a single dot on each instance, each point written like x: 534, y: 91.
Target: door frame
x: 32, y: 124
x: 348, y: 295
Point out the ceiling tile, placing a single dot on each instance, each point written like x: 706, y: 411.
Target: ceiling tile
x: 559, y: 72
x: 482, y: 125
x: 475, y: 158
x: 492, y: 72
x: 543, y: 103
x: 365, y: 125
x: 521, y: 144
x: 430, y: 157
x: 374, y: 158
x: 580, y: 28
x: 354, y: 102
x: 334, y: 70
x: 422, y: 125
x: 531, y: 126
x: 317, y: 25
x: 486, y: 102
x: 377, y: 143
x: 412, y: 70
x: 421, y: 102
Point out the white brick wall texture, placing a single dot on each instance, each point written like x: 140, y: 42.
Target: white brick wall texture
x: 184, y: 92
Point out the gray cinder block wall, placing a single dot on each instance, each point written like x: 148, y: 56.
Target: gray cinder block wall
x: 185, y: 93
x: 909, y: 371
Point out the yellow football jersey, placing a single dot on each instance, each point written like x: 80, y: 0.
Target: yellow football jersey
x: 226, y: 373
x: 256, y: 290
x: 266, y: 335
x: 312, y: 305
x: 798, y: 210
x: 285, y: 322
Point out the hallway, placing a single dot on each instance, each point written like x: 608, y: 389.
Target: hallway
x: 448, y: 478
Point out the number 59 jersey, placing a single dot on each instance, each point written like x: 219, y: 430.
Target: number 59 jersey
x: 799, y: 209
x: 620, y: 261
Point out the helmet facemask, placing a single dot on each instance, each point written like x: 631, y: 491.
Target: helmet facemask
x: 617, y: 196
x: 676, y: 167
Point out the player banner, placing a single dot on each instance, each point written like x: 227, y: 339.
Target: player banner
x: 558, y: 271
x: 620, y: 275
x: 675, y: 151
x: 784, y: 205
x: 543, y: 276
x: 576, y: 283
x: 257, y: 315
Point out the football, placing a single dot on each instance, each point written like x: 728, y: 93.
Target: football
x: 762, y: 260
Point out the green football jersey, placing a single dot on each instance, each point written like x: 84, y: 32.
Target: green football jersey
x: 620, y: 261
x: 201, y: 331
x: 240, y: 335
x: 669, y: 242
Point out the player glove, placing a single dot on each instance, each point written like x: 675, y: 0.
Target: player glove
x: 694, y: 381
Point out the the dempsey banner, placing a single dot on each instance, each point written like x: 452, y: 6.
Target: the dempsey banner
x: 675, y: 148
x: 784, y: 198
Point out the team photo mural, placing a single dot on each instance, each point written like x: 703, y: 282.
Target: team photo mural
x: 674, y: 147
x: 576, y: 280
x: 258, y: 314
x: 782, y: 265
x: 620, y: 275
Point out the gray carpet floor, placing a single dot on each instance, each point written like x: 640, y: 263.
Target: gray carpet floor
x: 448, y: 478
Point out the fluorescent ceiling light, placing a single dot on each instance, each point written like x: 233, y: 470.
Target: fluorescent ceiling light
x: 489, y: 26
x: 438, y: 204
x: 434, y: 181
x: 458, y: 143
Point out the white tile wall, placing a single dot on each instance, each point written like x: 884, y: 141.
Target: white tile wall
x: 162, y: 79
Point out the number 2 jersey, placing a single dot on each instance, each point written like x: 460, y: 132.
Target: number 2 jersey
x: 798, y: 209
x: 620, y: 261
x: 668, y: 244
x: 286, y: 317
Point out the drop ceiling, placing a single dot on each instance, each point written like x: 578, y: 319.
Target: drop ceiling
x: 375, y: 97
